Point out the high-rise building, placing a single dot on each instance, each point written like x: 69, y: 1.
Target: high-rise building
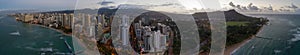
x: 93, y: 23
x: 28, y: 18
x: 40, y: 19
x: 67, y: 18
x: 98, y: 31
x: 64, y: 17
x: 163, y: 40
x: 99, y: 27
x: 147, y: 38
x: 92, y: 31
x: 157, y: 42
x: 124, y: 30
x: 147, y: 42
x: 70, y: 21
x: 138, y: 31
x: 103, y: 20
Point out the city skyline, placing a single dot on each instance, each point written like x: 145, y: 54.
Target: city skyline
x: 177, y: 6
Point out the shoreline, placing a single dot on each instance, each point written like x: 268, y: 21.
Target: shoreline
x: 43, y: 26
x: 233, y: 48
x: 228, y: 50
x: 58, y: 30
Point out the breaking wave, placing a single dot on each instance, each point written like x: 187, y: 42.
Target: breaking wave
x: 1, y: 17
x: 291, y: 23
x: 296, y: 34
x: 277, y: 51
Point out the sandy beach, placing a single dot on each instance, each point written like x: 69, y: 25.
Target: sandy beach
x: 235, y: 47
x: 232, y: 48
x: 58, y: 30
x: 228, y: 49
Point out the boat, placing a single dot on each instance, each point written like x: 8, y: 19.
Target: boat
x: 15, y: 33
x: 252, y: 47
x: 43, y: 53
x: 61, y: 37
x: 46, y: 49
x: 277, y: 51
x: 268, y: 23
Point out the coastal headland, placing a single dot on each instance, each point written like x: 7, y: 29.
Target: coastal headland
x: 240, y: 28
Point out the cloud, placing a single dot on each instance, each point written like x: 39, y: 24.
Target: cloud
x: 106, y: 3
x: 284, y: 10
x: 238, y: 6
x: 252, y: 7
x: 130, y: 6
x: 244, y: 8
x: 110, y: 7
x: 231, y: 4
x: 166, y: 4
x: 292, y: 6
x: 138, y: 6
x: 37, y: 4
x: 270, y: 8
x: 91, y: 4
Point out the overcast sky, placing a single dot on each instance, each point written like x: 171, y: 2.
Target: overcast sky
x: 250, y: 6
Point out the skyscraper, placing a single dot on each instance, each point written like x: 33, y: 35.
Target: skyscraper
x: 98, y: 27
x: 124, y: 30
x: 28, y: 18
x: 138, y: 31
x: 157, y: 42
x: 147, y: 39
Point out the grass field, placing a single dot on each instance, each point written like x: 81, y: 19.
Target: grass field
x: 236, y: 23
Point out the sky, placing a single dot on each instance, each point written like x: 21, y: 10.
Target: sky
x: 178, y: 6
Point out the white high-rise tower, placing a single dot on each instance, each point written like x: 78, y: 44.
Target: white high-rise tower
x: 124, y: 30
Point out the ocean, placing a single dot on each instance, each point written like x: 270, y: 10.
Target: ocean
x: 19, y: 38
x: 280, y: 37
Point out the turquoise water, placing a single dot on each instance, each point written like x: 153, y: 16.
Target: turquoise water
x: 31, y: 40
x: 283, y: 34
x: 283, y: 37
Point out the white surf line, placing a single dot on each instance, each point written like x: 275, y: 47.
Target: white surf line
x: 239, y: 47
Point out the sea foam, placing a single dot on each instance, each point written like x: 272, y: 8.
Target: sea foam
x: 296, y: 35
x: 277, y: 51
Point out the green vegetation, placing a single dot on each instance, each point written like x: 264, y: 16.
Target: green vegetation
x: 237, y: 23
x: 239, y: 28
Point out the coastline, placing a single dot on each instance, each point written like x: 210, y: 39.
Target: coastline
x: 58, y: 30
x: 228, y: 50
x: 233, y: 48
